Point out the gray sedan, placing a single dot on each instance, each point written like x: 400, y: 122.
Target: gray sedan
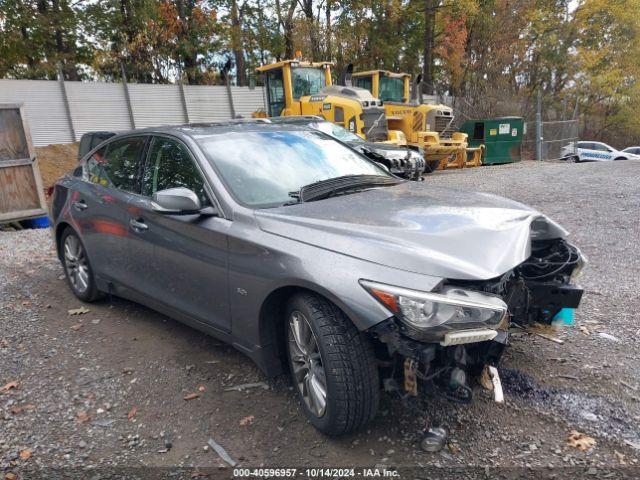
x: 310, y: 258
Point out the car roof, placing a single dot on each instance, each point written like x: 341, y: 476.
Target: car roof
x: 195, y: 130
x: 298, y: 120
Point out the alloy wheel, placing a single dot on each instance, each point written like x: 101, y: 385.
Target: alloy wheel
x: 306, y: 361
x: 75, y: 262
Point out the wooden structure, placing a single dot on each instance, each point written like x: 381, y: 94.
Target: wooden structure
x: 21, y: 193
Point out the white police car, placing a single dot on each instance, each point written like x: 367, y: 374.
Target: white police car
x: 595, y: 152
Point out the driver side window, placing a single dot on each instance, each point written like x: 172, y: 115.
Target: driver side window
x: 170, y: 165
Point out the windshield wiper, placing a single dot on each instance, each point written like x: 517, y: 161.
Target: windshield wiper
x: 333, y: 186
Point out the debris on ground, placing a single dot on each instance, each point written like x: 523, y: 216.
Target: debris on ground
x: 248, y: 420
x: 608, y: 336
x: 82, y: 417
x: 25, y: 454
x: 548, y: 332
x: 222, y: 453
x: 247, y: 386
x: 9, y: 386
x: 132, y: 412
x: 433, y: 439
x: 191, y: 396
x: 580, y: 441
x: 79, y: 311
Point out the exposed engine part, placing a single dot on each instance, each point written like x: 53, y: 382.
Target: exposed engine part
x: 431, y: 368
x: 537, y: 289
x: 549, y: 260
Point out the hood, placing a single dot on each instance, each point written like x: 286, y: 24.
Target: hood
x: 419, y: 228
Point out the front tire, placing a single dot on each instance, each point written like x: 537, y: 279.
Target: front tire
x: 77, y: 268
x: 332, y: 365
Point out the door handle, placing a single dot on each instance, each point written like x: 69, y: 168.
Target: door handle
x: 80, y: 205
x: 138, y: 225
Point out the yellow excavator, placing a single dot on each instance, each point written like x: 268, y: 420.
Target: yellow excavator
x: 296, y: 87
x: 429, y: 127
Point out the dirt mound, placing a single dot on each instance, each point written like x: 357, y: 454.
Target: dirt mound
x: 56, y: 160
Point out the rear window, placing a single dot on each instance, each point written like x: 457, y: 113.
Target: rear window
x: 119, y: 167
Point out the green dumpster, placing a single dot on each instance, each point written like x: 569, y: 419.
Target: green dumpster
x: 502, y: 138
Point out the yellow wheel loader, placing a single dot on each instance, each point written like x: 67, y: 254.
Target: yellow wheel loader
x: 296, y: 87
x: 429, y: 127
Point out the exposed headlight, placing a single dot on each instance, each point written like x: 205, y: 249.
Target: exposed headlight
x: 429, y: 316
x: 365, y: 103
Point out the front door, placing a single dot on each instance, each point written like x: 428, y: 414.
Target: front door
x: 275, y: 92
x: 179, y: 260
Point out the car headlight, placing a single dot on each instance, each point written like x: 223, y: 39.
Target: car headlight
x: 428, y: 315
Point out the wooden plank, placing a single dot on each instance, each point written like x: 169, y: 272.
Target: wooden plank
x: 21, y: 191
x: 13, y: 142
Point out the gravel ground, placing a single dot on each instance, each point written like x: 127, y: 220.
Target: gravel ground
x: 106, y: 389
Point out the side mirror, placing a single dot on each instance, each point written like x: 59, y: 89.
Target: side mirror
x: 178, y: 200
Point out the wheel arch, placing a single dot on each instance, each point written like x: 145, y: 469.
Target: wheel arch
x: 60, y: 228
x: 272, y: 331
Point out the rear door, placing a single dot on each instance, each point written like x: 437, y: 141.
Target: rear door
x: 99, y: 205
x: 179, y: 260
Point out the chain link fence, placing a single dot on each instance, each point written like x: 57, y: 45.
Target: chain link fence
x: 555, y: 136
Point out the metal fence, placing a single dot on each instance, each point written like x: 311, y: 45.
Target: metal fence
x: 60, y: 112
x: 550, y: 139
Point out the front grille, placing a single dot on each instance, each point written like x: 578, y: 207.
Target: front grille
x: 443, y: 125
x: 375, y: 124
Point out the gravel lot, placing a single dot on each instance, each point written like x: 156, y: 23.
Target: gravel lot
x: 107, y: 388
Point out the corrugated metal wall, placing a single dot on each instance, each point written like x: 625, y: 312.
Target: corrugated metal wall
x: 103, y: 106
x: 97, y: 106
x: 45, y: 109
x: 247, y: 101
x: 207, y: 103
x: 155, y: 105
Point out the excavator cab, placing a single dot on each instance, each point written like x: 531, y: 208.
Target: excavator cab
x: 387, y: 86
x: 296, y: 87
x: 427, y: 126
x: 289, y: 81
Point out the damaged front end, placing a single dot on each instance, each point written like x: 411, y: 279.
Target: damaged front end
x: 438, y: 341
x: 404, y: 163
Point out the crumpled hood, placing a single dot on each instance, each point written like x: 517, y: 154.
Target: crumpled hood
x: 418, y: 228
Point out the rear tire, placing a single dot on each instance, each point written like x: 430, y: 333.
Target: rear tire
x: 322, y: 343
x: 77, y: 267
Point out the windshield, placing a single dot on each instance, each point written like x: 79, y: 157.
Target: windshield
x: 307, y: 81
x: 261, y: 168
x: 336, y: 131
x: 391, y: 89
